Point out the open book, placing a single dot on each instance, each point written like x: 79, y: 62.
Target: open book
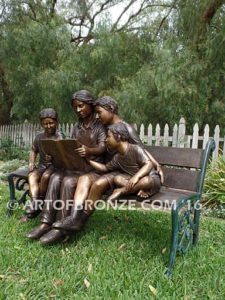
x: 63, y: 154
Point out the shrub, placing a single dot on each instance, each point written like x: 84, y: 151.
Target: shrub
x: 214, y: 191
x: 8, y: 151
x: 9, y: 166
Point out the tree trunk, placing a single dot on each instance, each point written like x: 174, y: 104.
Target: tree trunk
x: 206, y: 19
x: 211, y: 10
x: 6, y: 98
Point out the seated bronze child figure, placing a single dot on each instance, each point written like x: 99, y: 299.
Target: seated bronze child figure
x: 137, y: 171
x: 40, y: 173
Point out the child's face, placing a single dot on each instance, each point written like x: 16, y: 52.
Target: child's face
x: 104, y: 115
x: 49, y: 125
x: 111, y: 141
x: 82, y: 109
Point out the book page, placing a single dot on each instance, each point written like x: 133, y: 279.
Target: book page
x: 63, y: 154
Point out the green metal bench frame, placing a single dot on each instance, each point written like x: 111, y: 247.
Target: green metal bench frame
x: 177, y: 163
x: 185, y: 212
x: 18, y: 181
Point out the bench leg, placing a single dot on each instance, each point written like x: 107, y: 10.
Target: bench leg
x: 174, y: 243
x: 12, y: 198
x: 197, y: 213
x: 23, y: 198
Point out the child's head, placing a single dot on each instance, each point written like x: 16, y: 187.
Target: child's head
x: 106, y: 107
x: 117, y: 133
x: 83, y: 103
x: 49, y: 120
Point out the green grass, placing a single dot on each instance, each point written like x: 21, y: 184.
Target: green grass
x: 124, y: 250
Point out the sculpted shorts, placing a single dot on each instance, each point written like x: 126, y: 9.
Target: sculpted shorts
x: 40, y: 170
x: 110, y: 178
x: 154, y: 181
x: 93, y: 176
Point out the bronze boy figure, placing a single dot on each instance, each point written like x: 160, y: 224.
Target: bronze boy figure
x: 39, y: 175
x: 136, y: 171
x: 132, y: 160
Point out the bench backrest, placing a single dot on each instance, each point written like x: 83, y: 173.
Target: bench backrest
x: 184, y: 168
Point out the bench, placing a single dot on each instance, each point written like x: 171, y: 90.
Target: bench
x: 184, y: 173
x: 18, y: 181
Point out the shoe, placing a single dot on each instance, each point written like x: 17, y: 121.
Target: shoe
x: 37, y: 232
x: 32, y: 214
x: 54, y: 236
x: 33, y: 209
x: 72, y: 223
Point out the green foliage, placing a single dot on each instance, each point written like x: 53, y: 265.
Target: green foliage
x: 157, y: 79
x: 8, y: 151
x: 9, y: 166
x: 214, y: 193
x: 40, y: 79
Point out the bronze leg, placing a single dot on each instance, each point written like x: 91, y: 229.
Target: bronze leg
x: 43, y: 185
x: 33, y: 179
x: 97, y: 189
x: 144, y: 183
x: 82, y: 190
x: 67, y: 191
x: 80, y: 215
x: 52, y: 195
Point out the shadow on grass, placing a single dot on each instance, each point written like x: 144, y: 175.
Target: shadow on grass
x: 150, y: 230
x: 147, y: 232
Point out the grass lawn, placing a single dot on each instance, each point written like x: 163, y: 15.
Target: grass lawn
x: 120, y: 255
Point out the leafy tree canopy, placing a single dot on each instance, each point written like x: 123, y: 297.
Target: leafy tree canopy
x: 160, y: 59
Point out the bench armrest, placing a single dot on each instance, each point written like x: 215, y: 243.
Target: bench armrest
x: 181, y: 202
x: 210, y: 147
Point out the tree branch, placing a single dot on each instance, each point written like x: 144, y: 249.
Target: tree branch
x: 91, y: 19
x: 211, y: 10
x: 122, y: 13
x: 52, y: 8
x: 135, y: 15
x: 206, y: 20
x: 88, y: 21
x: 164, y: 18
x: 3, y: 5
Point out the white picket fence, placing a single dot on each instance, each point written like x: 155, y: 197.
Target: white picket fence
x: 22, y: 135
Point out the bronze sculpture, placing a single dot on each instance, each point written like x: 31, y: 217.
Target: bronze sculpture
x: 91, y: 134
x: 107, y: 112
x: 39, y: 174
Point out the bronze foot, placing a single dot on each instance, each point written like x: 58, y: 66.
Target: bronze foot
x: 72, y: 223
x: 144, y: 194
x: 32, y: 210
x: 54, y: 236
x: 37, y: 232
x: 116, y: 194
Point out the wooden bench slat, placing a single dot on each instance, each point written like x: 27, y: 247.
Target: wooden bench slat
x: 23, y: 173
x: 185, y: 157
x: 180, y: 178
x: 164, y: 199
x: 170, y: 194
